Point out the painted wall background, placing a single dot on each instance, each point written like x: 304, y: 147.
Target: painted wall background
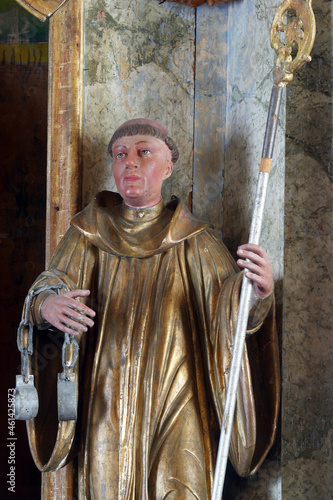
x: 138, y: 62
x: 307, y: 396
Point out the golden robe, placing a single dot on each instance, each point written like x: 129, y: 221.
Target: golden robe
x: 153, y: 370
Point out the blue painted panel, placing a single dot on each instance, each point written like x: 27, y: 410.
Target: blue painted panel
x: 210, y: 112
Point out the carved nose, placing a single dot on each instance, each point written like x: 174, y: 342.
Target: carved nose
x: 131, y: 161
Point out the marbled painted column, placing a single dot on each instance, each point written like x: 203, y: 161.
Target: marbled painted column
x: 307, y: 402
x: 230, y: 137
x: 232, y: 91
x: 138, y: 62
x: 210, y: 112
x: 250, y: 64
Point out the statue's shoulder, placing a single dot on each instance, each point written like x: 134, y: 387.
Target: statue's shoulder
x: 102, y: 201
x: 102, y: 223
x: 105, y: 199
x: 183, y: 223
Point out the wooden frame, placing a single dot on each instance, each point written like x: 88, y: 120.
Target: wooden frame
x: 64, y: 173
x: 64, y: 169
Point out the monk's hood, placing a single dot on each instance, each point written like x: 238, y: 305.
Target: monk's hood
x: 116, y: 230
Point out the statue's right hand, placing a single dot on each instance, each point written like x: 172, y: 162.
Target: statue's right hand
x: 67, y: 314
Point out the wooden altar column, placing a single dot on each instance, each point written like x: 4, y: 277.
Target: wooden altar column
x: 64, y: 165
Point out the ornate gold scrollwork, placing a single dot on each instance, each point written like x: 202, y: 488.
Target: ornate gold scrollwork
x: 299, y: 33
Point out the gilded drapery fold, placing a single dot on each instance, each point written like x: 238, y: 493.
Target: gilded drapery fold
x: 153, y: 370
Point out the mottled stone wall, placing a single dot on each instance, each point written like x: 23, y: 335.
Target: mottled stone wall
x: 307, y: 402
x: 138, y: 62
x: 210, y: 113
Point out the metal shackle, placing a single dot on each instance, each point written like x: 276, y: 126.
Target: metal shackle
x: 67, y: 396
x: 26, y: 398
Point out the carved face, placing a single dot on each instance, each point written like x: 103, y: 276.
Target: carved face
x: 141, y: 163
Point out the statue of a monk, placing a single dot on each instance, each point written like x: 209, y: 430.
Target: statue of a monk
x: 153, y: 301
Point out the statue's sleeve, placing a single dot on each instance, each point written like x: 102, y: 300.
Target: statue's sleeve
x: 53, y: 443
x: 218, y: 280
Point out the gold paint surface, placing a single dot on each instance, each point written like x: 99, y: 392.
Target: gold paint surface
x: 299, y: 34
x: 155, y: 367
x: 42, y: 9
x: 64, y: 179
x: 27, y: 53
x: 65, y: 121
x: 265, y: 165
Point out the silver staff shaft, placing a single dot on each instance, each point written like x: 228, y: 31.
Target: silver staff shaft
x: 245, y: 297
x: 299, y: 35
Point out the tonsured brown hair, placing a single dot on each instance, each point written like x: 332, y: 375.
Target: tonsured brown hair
x: 144, y: 129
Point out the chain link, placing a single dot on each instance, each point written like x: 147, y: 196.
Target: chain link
x: 69, y: 340
x: 28, y: 350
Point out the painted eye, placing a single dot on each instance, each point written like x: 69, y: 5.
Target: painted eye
x: 144, y: 152
x: 120, y: 155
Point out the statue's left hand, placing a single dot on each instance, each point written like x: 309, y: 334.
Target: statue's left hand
x: 259, y: 270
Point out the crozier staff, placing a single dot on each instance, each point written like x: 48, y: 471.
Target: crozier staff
x: 158, y: 298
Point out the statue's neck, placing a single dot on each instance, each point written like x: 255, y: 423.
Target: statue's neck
x: 137, y: 214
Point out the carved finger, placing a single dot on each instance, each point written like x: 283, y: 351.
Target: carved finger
x: 81, y: 308
x: 72, y: 325
x: 80, y: 318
